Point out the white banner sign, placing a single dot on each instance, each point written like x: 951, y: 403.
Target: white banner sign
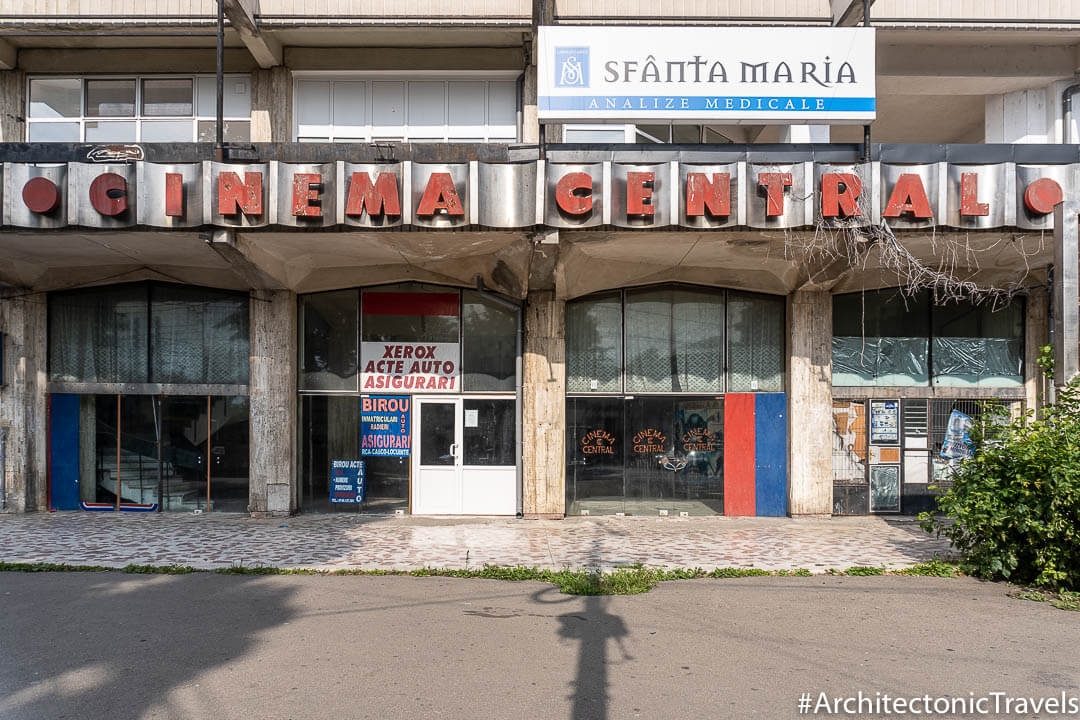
x: 409, y: 367
x: 726, y: 75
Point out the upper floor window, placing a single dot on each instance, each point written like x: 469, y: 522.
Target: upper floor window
x: 146, y: 108
x: 351, y: 108
x: 645, y: 134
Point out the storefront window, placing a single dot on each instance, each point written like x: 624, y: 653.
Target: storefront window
x: 645, y: 454
x: 153, y: 450
x: 976, y: 346
x: 380, y: 350
x: 330, y: 430
x: 881, y: 338
x: 149, y: 332
x: 329, y: 323
x: 594, y: 344
x: 99, y: 335
x: 756, y: 356
x: 674, y: 340
x: 490, y: 344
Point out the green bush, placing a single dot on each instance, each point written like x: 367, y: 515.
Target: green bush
x: 1013, y: 511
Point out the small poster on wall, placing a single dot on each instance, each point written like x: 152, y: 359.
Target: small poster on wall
x: 384, y: 426
x: 347, y: 481
x: 884, y: 422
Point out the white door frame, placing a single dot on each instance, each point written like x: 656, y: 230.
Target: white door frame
x: 436, y: 489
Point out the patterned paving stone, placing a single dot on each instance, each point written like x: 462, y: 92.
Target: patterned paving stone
x: 329, y: 541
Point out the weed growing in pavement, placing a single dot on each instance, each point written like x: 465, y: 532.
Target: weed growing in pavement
x: 624, y: 580
x: 1062, y: 599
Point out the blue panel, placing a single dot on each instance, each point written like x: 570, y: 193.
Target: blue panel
x: 770, y: 453
x: 64, y: 452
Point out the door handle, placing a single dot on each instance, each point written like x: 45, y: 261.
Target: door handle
x: 453, y: 450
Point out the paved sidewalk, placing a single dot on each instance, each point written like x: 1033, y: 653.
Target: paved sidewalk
x: 337, y: 541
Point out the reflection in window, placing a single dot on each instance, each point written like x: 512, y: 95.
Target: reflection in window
x: 490, y: 344
x: 328, y: 328
x: 880, y: 338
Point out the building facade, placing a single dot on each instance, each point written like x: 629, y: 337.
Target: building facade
x: 428, y: 272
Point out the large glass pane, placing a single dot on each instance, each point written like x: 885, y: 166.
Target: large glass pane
x: 106, y: 415
x: 594, y: 344
x: 410, y: 313
x: 674, y: 457
x: 975, y: 346
x: 55, y: 98
x: 138, y: 474
x: 436, y: 433
x: 167, y: 97
x: 53, y: 132
x: 674, y: 340
x: 99, y: 335
x: 490, y: 344
x: 328, y: 327
x: 881, y: 338
x: 183, y: 453
x: 594, y: 455
x: 110, y: 98
x: 110, y: 131
x: 489, y: 432
x: 199, y: 335
x: 755, y: 343
x: 237, y: 96
x: 128, y: 468
x: 229, y: 454
x: 167, y: 131
x: 330, y: 430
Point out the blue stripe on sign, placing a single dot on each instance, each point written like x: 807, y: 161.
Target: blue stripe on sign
x: 770, y: 453
x: 707, y: 103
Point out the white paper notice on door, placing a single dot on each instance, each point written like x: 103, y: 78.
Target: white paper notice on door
x: 472, y: 418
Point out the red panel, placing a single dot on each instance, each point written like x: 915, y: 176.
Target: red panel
x: 401, y: 303
x: 739, y: 493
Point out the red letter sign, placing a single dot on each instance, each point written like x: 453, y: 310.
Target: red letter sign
x: 174, y: 195
x: 969, y: 196
x: 108, y: 194
x: 1040, y: 196
x: 440, y: 195
x: 701, y: 194
x: 382, y: 197
x: 234, y: 196
x: 305, y: 192
x: 774, y: 184
x: 566, y: 198
x: 835, y: 201
x: 40, y: 195
x: 908, y: 196
x: 638, y: 190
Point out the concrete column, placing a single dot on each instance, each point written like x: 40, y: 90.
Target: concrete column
x: 23, y: 401
x: 271, y: 105
x: 810, y: 477
x: 804, y: 134
x: 272, y: 413
x: 12, y: 106
x: 543, y: 401
x: 1036, y: 335
x: 530, y: 126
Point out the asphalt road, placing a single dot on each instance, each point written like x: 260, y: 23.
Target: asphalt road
x: 107, y: 645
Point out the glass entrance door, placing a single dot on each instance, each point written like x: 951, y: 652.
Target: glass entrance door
x: 465, y: 459
x: 437, y: 465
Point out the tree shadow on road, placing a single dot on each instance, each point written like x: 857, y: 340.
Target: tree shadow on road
x: 104, y: 645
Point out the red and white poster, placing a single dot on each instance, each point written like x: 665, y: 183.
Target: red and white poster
x: 409, y: 367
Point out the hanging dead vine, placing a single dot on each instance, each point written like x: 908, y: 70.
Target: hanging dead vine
x: 838, y: 246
